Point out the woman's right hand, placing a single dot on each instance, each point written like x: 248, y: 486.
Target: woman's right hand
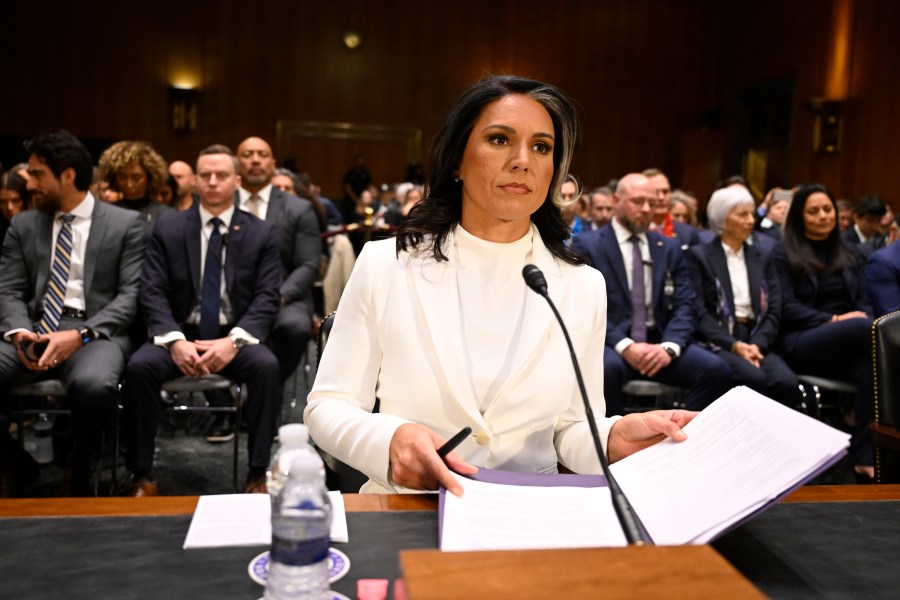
x: 415, y: 463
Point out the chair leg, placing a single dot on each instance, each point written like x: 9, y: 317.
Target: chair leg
x: 237, y: 437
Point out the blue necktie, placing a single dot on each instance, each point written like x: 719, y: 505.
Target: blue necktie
x: 59, y: 277
x: 211, y: 292
x: 638, y: 293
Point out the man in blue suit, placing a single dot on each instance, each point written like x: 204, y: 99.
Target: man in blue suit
x: 650, y: 320
x: 883, y: 274
x: 210, y: 290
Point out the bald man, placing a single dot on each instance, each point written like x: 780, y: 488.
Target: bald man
x: 183, y: 175
x: 299, y: 245
x: 650, y: 317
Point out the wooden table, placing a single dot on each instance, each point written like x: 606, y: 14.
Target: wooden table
x: 185, y: 505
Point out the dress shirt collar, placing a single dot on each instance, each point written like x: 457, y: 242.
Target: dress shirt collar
x: 84, y: 210
x: 225, y: 216
x: 623, y: 235
x: 264, y: 194
x: 729, y: 251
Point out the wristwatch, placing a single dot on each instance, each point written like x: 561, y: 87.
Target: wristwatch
x: 238, y: 341
x: 87, y: 335
x: 670, y: 352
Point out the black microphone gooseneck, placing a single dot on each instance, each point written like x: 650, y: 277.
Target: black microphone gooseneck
x: 624, y: 511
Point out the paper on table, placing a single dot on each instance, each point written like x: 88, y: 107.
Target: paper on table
x: 509, y: 517
x: 246, y: 520
x: 741, y: 451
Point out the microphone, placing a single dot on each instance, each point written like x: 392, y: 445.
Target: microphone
x: 534, y: 278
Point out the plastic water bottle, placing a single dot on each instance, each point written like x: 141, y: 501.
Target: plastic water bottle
x: 301, y: 526
x: 43, y: 438
x: 294, y: 440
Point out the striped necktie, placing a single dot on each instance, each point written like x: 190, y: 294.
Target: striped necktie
x: 59, y: 276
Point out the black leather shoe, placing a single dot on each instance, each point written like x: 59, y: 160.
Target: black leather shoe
x: 221, y: 429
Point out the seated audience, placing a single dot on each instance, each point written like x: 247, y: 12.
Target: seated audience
x: 434, y: 319
x: 136, y: 171
x: 866, y: 231
x: 68, y: 291
x: 208, y: 311
x: 681, y: 210
x: 845, y: 214
x: 569, y: 199
x: 739, y: 303
x: 185, y: 196
x: 773, y: 211
x: 826, y: 313
x: 883, y: 274
x: 14, y: 198
x: 650, y: 320
x: 601, y: 208
x: 660, y: 219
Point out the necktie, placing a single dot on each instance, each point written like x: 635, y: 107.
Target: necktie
x: 253, y: 205
x: 638, y: 293
x: 59, y: 276
x: 211, y: 292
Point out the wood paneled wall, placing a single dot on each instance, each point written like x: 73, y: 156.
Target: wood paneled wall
x: 656, y: 80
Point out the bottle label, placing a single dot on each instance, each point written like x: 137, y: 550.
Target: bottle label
x: 299, y: 553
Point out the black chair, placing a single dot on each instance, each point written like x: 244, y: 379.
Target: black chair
x: 338, y: 475
x: 179, y: 396
x: 47, y: 397
x: 885, y: 430
x: 641, y: 395
x: 828, y: 400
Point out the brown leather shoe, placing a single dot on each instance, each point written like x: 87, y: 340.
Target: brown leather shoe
x: 257, y: 486
x: 142, y: 489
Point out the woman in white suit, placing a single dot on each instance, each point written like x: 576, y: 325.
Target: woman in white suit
x: 440, y: 324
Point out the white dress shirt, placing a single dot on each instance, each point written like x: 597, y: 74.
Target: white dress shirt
x: 623, y: 237
x: 740, y: 281
x: 225, y: 310
x: 263, y: 204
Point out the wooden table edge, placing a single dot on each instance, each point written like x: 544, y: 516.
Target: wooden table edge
x: 185, y: 505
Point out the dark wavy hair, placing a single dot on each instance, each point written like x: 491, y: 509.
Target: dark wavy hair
x: 432, y: 219
x: 11, y: 180
x: 799, y: 251
x: 61, y: 151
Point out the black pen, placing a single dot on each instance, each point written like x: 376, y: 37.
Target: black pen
x: 453, y: 442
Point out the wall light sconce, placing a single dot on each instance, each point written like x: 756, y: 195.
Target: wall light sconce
x: 352, y: 39
x: 183, y: 109
x: 827, y: 125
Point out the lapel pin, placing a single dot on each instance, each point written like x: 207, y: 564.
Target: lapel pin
x: 236, y: 228
x: 659, y: 243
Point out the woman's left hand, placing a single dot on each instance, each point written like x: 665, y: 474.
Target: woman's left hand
x: 637, y: 431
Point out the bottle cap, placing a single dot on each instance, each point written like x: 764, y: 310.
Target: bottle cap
x: 295, y: 434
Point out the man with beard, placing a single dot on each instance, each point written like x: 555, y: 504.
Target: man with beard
x: 68, y: 291
x: 650, y: 311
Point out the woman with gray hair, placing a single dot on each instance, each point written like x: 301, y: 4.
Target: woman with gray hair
x: 738, y: 298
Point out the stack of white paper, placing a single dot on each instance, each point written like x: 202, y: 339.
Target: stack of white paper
x: 743, y: 452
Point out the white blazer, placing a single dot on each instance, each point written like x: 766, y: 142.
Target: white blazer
x: 397, y: 331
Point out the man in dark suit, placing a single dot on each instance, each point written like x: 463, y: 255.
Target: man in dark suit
x: 660, y: 218
x: 866, y: 231
x: 207, y: 313
x: 68, y: 292
x: 883, y: 274
x: 299, y: 245
x: 650, y: 320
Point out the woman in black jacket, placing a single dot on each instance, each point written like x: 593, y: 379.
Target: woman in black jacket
x: 738, y: 298
x: 826, y: 312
